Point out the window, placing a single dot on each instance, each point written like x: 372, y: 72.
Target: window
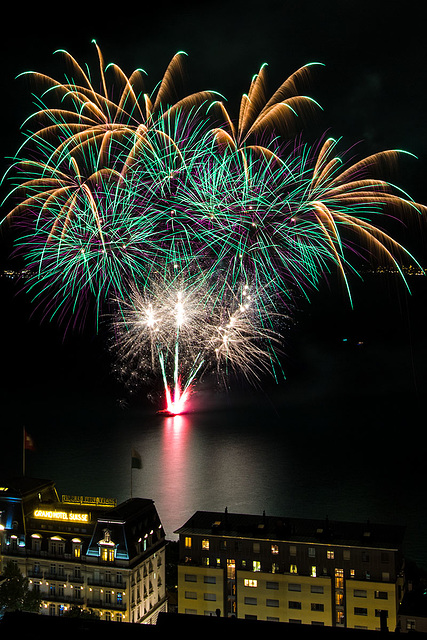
x: 381, y: 595
x: 231, y: 568
x: 293, y: 568
x: 316, y: 588
x: 275, y: 549
x: 330, y: 555
x: 271, y: 603
x: 205, y: 545
x: 292, y: 550
x: 256, y: 565
x: 311, y: 552
x: 190, y: 577
x: 313, y: 571
x: 250, y: 600
x: 256, y: 547
x: 293, y: 586
x: 209, y: 579
x: 317, y: 606
x: 352, y: 573
x: 292, y: 604
x: 346, y: 554
x: 250, y: 583
x: 360, y: 593
x: 360, y: 611
x: 191, y: 595
x: 410, y: 625
x: 272, y: 585
x: 385, y: 576
x: 339, y: 578
x: 209, y: 596
x: 107, y: 554
x: 187, y: 542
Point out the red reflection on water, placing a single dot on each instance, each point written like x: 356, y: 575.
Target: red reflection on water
x: 175, y: 464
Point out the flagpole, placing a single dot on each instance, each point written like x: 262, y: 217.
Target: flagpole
x: 23, y: 451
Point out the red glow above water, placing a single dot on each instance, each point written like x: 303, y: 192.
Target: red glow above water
x: 176, y: 404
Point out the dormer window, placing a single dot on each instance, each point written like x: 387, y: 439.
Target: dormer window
x: 77, y: 547
x: 107, y: 547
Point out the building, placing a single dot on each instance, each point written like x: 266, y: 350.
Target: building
x: 314, y: 572
x: 85, y: 551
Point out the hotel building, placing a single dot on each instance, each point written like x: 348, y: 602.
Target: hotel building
x: 85, y: 551
x: 290, y: 570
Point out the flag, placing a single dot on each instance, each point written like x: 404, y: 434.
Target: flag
x: 136, y: 460
x: 28, y: 441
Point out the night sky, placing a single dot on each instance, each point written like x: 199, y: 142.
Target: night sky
x: 372, y: 89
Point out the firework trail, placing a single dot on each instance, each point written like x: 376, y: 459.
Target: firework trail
x: 179, y: 329
x: 196, y: 227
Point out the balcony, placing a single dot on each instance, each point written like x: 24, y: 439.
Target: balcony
x: 102, y: 604
x: 103, y: 582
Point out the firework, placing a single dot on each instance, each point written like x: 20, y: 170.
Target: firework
x: 196, y: 228
x: 180, y: 329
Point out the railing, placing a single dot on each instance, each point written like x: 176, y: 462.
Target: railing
x: 103, y: 582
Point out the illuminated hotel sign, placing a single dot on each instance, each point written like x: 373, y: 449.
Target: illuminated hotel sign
x: 64, y: 516
x: 88, y: 501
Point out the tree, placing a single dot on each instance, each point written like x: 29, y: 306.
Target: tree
x: 15, y: 594
x: 77, y: 612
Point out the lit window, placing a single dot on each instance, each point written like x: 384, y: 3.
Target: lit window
x: 293, y: 568
x: 313, y: 571
x: 187, y: 542
x: 352, y: 573
x: 275, y: 549
x: 205, y: 544
x: 330, y: 555
x: 250, y: 583
x: 256, y: 565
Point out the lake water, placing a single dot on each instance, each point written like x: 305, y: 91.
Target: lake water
x: 341, y: 437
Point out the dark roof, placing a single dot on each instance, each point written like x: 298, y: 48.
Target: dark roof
x: 129, y: 509
x: 19, y: 487
x: 316, y: 531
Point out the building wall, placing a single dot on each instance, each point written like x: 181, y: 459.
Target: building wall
x: 284, y: 597
x: 365, y: 600
x: 201, y: 590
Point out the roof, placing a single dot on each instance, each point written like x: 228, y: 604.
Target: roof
x: 302, y: 530
x: 19, y: 487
